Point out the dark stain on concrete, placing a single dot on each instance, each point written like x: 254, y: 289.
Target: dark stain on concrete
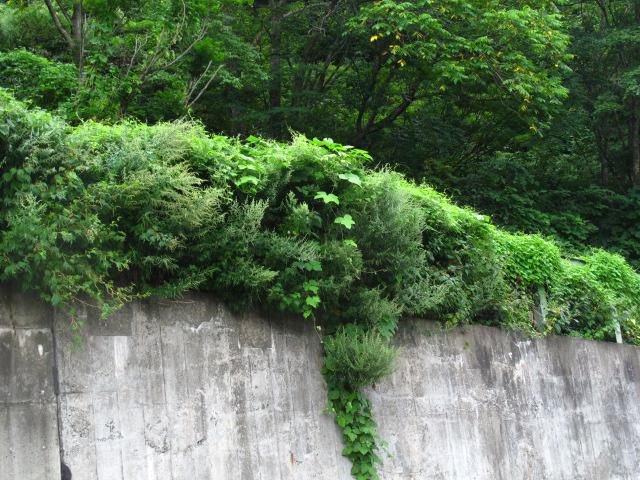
x: 65, y: 472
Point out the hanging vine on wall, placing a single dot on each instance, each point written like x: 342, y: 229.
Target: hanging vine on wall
x: 110, y: 212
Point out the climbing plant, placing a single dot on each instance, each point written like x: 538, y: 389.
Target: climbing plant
x: 102, y: 214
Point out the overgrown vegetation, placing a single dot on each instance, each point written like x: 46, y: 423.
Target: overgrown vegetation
x: 106, y: 213
x: 527, y: 110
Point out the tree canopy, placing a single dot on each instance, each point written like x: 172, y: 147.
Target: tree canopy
x: 454, y: 92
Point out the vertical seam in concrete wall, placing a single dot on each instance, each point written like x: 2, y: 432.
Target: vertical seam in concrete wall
x: 272, y: 369
x: 56, y: 386
x: 164, y: 394
x: 119, y: 411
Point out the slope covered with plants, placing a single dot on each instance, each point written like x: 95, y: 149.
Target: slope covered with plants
x: 529, y: 110
x: 106, y: 213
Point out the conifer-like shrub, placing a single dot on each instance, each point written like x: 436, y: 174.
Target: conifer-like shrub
x: 358, y: 357
x: 103, y: 214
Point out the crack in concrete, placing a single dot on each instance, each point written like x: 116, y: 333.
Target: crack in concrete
x: 65, y: 472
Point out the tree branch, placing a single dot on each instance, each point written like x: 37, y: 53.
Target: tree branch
x: 180, y: 56
x: 136, y: 49
x: 409, y: 98
x: 366, y: 96
x: 56, y: 20
x: 64, y: 12
x: 206, y: 85
x: 301, y: 9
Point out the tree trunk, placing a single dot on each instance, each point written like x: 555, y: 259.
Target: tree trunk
x: 603, y: 153
x: 634, y: 143
x: 77, y: 33
x: 74, y: 38
x: 276, y: 119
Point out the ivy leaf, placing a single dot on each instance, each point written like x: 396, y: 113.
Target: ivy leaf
x: 246, y: 179
x: 327, y: 197
x: 334, y: 394
x: 248, y: 166
x: 311, y: 286
x: 350, y: 435
x: 351, y: 178
x: 311, y: 266
x: 313, y: 301
x: 346, y: 221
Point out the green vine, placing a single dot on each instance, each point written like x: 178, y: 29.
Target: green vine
x: 102, y: 214
x: 352, y: 411
x: 356, y: 357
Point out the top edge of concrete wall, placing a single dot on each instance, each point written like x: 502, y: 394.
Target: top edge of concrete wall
x: 23, y: 310
x: 26, y: 310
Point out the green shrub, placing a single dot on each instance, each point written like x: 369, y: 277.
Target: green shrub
x: 104, y: 213
x: 357, y: 357
x: 305, y: 226
x: 593, y: 294
x: 161, y: 98
x: 29, y: 26
x: 530, y: 260
x: 47, y: 84
x: 579, y: 305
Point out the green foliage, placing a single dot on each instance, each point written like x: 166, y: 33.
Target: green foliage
x: 521, y: 46
x: 529, y: 259
x: 548, y: 190
x: 593, y: 294
x: 30, y: 77
x: 357, y: 358
x: 100, y: 214
x: 161, y: 98
x: 467, y: 94
x: 28, y: 26
x: 352, y: 411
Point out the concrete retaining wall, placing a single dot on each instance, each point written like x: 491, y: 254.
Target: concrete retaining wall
x: 482, y: 404
x: 29, y: 448
x: 187, y: 390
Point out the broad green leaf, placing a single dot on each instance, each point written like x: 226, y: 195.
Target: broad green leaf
x: 312, y: 266
x: 346, y: 221
x: 311, y: 286
x: 247, y: 179
x: 327, y: 197
x: 313, y: 301
x: 351, y: 178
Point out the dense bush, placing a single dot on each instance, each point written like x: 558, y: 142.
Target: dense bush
x: 29, y: 26
x: 47, y: 84
x: 591, y: 295
x: 106, y: 213
x: 358, y: 357
x: 543, y: 191
x: 55, y: 86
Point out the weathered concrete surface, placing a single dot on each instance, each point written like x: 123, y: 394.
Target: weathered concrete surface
x: 186, y: 390
x: 482, y: 404
x: 28, y: 419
